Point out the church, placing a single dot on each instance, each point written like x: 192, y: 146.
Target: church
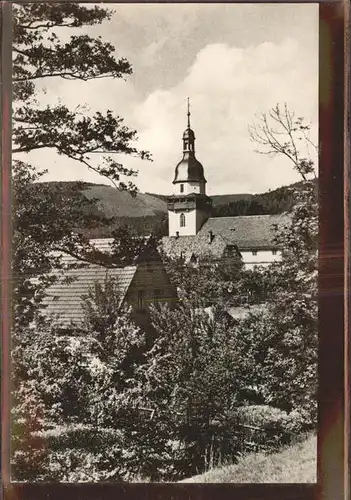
x: 192, y: 232
x: 193, y: 235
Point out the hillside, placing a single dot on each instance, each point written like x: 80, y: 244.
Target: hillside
x: 295, y: 464
x: 114, y: 203
x: 144, y: 212
x: 223, y: 199
x: 147, y: 212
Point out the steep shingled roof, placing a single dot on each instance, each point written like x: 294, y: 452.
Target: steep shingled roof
x: 102, y: 244
x: 199, y: 245
x: 248, y: 231
x: 63, y: 299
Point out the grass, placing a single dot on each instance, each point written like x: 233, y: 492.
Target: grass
x: 295, y: 464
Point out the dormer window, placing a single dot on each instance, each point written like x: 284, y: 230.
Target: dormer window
x: 182, y: 188
x: 274, y: 252
x: 254, y: 252
x: 182, y: 220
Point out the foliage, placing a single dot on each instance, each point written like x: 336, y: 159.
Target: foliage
x: 79, y: 377
x: 239, y: 207
x: 28, y: 451
x: 274, y: 201
x: 207, y: 282
x: 271, y: 427
x: 225, y: 283
x: 46, y: 219
x: 190, y: 379
x: 127, y: 245
x: 102, y: 308
x: 82, y: 453
x: 280, y: 345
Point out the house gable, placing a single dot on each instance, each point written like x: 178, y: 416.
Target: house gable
x: 142, y: 281
x: 63, y: 299
x: 150, y: 284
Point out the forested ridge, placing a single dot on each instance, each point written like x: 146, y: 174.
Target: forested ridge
x: 147, y: 211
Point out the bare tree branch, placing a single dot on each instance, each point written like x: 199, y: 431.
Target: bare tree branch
x: 269, y: 132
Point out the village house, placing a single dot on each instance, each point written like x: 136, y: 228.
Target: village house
x: 193, y: 233
x: 140, y: 284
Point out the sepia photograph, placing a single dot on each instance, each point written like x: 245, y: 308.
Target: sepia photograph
x: 165, y: 242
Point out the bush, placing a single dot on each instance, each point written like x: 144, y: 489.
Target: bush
x: 83, y: 453
x: 74, y: 378
x: 269, y: 427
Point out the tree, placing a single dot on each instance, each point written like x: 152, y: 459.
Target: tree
x: 82, y: 381
x: 240, y: 207
x: 206, y: 282
x: 191, y: 378
x: 274, y: 201
x: 282, y: 342
x: 279, y: 132
x: 47, y: 221
x: 40, y: 54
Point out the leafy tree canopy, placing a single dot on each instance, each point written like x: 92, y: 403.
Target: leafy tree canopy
x: 39, y: 54
x: 46, y: 220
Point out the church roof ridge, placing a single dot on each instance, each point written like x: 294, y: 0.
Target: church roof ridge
x: 247, y: 231
x: 247, y: 216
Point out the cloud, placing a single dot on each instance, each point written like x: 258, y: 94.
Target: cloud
x: 228, y: 83
x: 228, y: 86
x: 151, y: 51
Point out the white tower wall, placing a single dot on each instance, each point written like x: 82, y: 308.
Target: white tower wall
x: 174, y: 225
x: 189, y: 187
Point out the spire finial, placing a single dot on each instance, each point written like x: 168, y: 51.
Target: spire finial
x: 188, y: 112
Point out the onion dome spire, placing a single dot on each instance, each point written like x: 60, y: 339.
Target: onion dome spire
x: 188, y: 136
x: 189, y: 168
x: 188, y: 113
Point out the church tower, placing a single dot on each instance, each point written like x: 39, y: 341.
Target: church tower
x: 188, y: 207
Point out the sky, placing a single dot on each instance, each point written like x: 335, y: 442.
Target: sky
x: 232, y: 60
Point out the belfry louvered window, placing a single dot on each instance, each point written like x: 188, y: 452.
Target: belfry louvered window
x: 182, y: 220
